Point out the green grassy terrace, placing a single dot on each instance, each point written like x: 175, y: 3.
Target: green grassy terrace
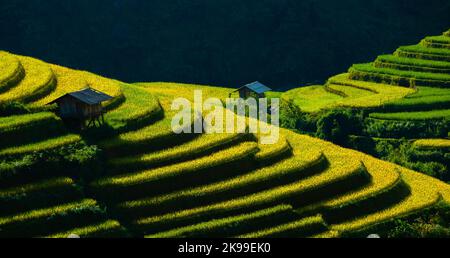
x: 135, y: 177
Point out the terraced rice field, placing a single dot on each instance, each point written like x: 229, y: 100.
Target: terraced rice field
x: 156, y: 183
x: 244, y: 203
x: 49, y: 144
x: 408, y: 88
x: 419, y: 115
x: 35, y: 82
x: 312, y: 98
x: 21, y: 129
x: 423, y: 52
x: 50, y: 204
x: 409, y: 78
x: 138, y: 108
x: 429, y: 76
x: 11, y: 71
x: 69, y: 80
x: 341, y: 91
x: 433, y: 143
x: 411, y: 85
x: 442, y: 41
x: 38, y: 81
x: 412, y: 64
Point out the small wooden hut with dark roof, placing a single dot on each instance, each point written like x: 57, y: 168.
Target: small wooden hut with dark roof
x: 83, y: 105
x: 254, y: 89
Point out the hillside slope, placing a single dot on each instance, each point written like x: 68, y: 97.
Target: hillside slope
x: 155, y: 183
x: 414, y: 79
x: 403, y: 95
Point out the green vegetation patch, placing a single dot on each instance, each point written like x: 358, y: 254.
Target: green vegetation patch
x: 422, y: 52
x: 422, y: 196
x: 439, y: 39
x: 283, y: 172
x: 36, y: 187
x: 419, y: 115
x: 437, y: 42
x: 52, y: 143
x: 412, y: 64
x: 14, y: 123
x: 139, y: 107
x: 229, y: 225
x: 22, y: 129
x: 350, y: 92
x: 382, y: 93
x: 39, y: 80
x: 367, y: 72
x: 301, y: 228
x: 11, y: 71
x: 298, y: 191
x: 425, y: 99
x: 40, y: 221
x: 311, y: 98
x: 433, y: 143
x: 429, y: 91
x: 447, y: 33
x: 414, y: 61
x: 160, y: 179
x: 426, y: 50
x: 37, y: 195
x: 107, y: 229
x: 196, y: 148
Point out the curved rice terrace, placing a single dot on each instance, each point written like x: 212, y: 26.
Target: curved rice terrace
x: 155, y: 183
x: 408, y: 89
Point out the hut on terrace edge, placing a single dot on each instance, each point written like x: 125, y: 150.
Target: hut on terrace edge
x: 81, y: 106
x: 254, y: 89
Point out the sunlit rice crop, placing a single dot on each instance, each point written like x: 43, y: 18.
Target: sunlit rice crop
x: 46, y: 212
x: 45, y: 145
x: 422, y: 196
x: 11, y: 71
x: 14, y: 123
x: 154, y: 175
x: 311, y: 98
x: 225, y: 224
x: 339, y: 173
x: 39, y: 80
x: 54, y: 183
x: 426, y: 50
x: 269, y: 151
x: 104, y: 229
x: 368, y: 72
x: 139, y: 105
x: 418, y: 115
x: 193, y: 148
x: 383, y: 176
x: 301, y: 227
x: 433, y: 143
x: 412, y: 64
x: 423, y: 52
x: 271, y: 176
x: 69, y: 80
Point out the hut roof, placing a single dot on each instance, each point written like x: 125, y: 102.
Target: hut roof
x: 88, y: 96
x: 256, y: 87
